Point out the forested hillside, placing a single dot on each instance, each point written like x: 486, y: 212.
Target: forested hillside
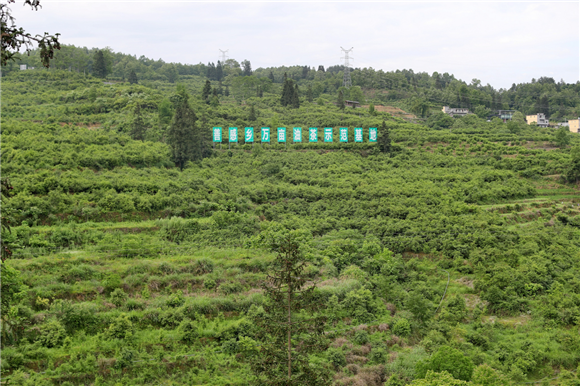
x: 446, y: 253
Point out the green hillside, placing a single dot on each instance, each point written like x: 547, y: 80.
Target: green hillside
x: 458, y: 250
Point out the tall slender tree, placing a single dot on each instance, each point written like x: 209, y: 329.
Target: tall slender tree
x: 138, y: 125
x: 271, y: 76
x: 309, y: 94
x: 340, y: 100
x: 206, y: 92
x: 289, y: 330
x: 384, y: 140
x: 247, y: 71
x: 183, y: 136
x: 99, y: 66
x: 295, y: 98
x: 133, y: 77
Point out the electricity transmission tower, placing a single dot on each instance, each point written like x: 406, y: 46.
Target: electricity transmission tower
x: 346, y: 81
x: 223, y: 56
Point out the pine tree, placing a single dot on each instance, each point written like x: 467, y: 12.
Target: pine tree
x: 100, y: 67
x: 286, y: 332
x: 211, y: 71
x: 186, y: 140
x: 247, y: 68
x: 309, y: 94
x: 305, y: 70
x: 340, y: 100
x: 227, y: 92
x: 219, y: 71
x: 138, y: 126
x: 321, y: 68
x: 205, y: 93
x: 384, y: 140
x: 295, y: 98
x: 252, y: 116
x: 133, y: 77
x: 287, y: 91
x: 271, y: 76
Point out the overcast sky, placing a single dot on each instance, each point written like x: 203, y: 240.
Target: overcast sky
x: 499, y: 43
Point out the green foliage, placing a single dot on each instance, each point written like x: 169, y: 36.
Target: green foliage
x: 120, y: 328
x: 118, y: 297
x: 187, y: 331
x: 52, y: 334
x: 449, y: 360
x: 443, y: 378
x: 402, y: 327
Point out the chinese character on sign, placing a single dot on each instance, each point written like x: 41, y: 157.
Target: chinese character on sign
x: 358, y: 134
x: 265, y: 134
x: 297, y: 134
x: 233, y: 134
x: 343, y: 134
x: 281, y: 134
x: 217, y: 134
x: 249, y: 136
x: 313, y: 136
x: 328, y: 134
x: 372, y: 134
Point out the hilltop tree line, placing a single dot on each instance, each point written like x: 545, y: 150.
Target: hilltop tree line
x: 557, y: 99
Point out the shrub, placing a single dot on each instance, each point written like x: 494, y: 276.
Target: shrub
x: 450, y: 360
x: 176, y: 299
x: 187, y: 331
x: 118, y: 297
x: 121, y: 328
x: 402, y: 328
x: 336, y: 357
x: 52, y: 334
x: 178, y: 229
x: 230, y: 346
x: 361, y: 337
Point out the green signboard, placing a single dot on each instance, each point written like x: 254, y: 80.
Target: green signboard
x: 297, y: 134
x: 328, y: 134
x: 358, y: 134
x: 217, y: 134
x: 372, y: 134
x: 249, y: 134
x: 265, y: 134
x: 233, y: 134
x: 313, y: 134
x: 344, y: 134
x: 281, y: 134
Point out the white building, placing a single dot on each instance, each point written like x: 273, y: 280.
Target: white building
x: 539, y: 118
x: 451, y: 111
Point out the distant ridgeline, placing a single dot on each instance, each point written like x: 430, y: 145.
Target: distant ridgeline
x: 313, y: 135
x: 417, y: 91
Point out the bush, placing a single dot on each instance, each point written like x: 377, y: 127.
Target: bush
x: 187, y: 332
x: 402, y: 328
x: 52, y: 334
x: 118, y: 297
x: 176, y: 299
x: 361, y: 337
x: 450, y: 360
x: 336, y: 357
x: 121, y: 328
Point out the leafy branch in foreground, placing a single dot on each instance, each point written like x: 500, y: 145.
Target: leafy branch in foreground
x: 13, y: 37
x: 289, y: 330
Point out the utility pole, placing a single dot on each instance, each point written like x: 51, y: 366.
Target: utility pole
x: 223, y: 56
x: 346, y: 81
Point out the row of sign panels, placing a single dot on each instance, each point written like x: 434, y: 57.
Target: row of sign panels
x: 297, y: 134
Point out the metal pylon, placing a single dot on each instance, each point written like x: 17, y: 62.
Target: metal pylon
x: 346, y: 79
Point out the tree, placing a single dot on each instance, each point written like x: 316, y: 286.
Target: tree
x: 309, y: 94
x: 287, y: 91
x: 384, y: 139
x: 340, y: 100
x: 247, y: 68
x: 562, y: 137
x: 295, y: 98
x: 138, y: 126
x: 573, y: 173
x: 99, y: 66
x: 356, y: 94
x: 133, y: 77
x: 252, y: 116
x: 286, y: 332
x: 321, y: 68
x: 219, y: 71
x: 205, y: 93
x: 5, y: 217
x: 420, y: 107
x: 271, y: 76
x: 372, y: 110
x: 13, y: 37
x: 183, y: 135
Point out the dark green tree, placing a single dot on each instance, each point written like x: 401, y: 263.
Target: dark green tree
x: 172, y: 74
x: 252, y: 116
x: 562, y: 137
x: 340, y: 100
x: 219, y: 71
x: 138, y: 125
x: 450, y: 360
x: 384, y: 140
x: 99, y: 66
x: 133, y: 77
x: 309, y: 94
x: 271, y: 76
x: 372, y: 110
x: 289, y: 330
x: 295, y: 98
x: 247, y: 68
x: 227, y: 92
x: 573, y: 172
x: 206, y: 92
x: 287, y: 91
x: 321, y: 68
x: 183, y: 135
